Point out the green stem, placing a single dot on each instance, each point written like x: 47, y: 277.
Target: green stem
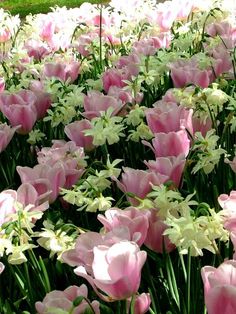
x: 188, y: 282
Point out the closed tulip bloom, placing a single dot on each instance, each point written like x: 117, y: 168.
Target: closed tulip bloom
x: 136, y: 220
x: 95, y: 102
x: 6, y: 134
x: 141, y: 304
x: 62, y: 301
x: 116, y: 270
x: 168, y: 117
x: 19, y: 108
x: 75, y: 132
x: 139, y: 182
x: 171, y: 144
x: 220, y: 288
x: 171, y: 166
x: 155, y: 240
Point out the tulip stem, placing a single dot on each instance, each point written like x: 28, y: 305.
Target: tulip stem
x: 188, y: 282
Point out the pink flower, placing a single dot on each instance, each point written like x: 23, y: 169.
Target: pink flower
x: 168, y: 117
x: 139, y: 182
x: 37, y: 49
x: 131, y: 217
x: 7, y: 205
x: 228, y: 202
x: 19, y: 108
x: 155, y: 239
x: 170, y: 144
x: 232, y: 163
x: 63, y: 300
x: 95, y: 102
x: 201, y: 125
x: 62, y: 70
x: 171, y: 166
x: 141, y: 304
x: 83, y: 255
x: 43, y: 99
x: 26, y: 195
x: 220, y: 288
x: 116, y: 270
x: 2, y: 84
x: 2, y: 267
x: 113, y: 77
x: 75, y: 132
x: 44, y: 178
x: 66, y: 154
x: 6, y: 134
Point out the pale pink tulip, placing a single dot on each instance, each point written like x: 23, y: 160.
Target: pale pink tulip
x: 232, y: 163
x: 220, y: 288
x: 139, y: 182
x: 2, y: 267
x: 131, y: 217
x: 171, y: 166
x: 170, y: 144
x: 168, y: 117
x: 19, y: 108
x: 75, y: 132
x: 57, y: 300
x: 37, y: 49
x: 6, y: 134
x: 64, y: 154
x: 44, y: 177
x: 201, y: 125
x: 155, y: 240
x: 113, y: 77
x: 7, y: 205
x: 95, y: 102
x: 116, y: 270
x: 63, y: 71
x: 141, y: 304
x: 228, y: 202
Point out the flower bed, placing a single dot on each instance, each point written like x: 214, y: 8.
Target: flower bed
x: 117, y: 159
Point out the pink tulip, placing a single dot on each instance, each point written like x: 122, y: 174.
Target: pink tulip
x: 170, y: 144
x: 228, y: 202
x: 121, y: 94
x: 7, y: 205
x: 44, y: 177
x: 63, y: 71
x: 6, y: 134
x: 113, y: 77
x: 232, y: 163
x: 141, y: 304
x: 2, y: 84
x: 43, y: 99
x: 188, y: 71
x: 75, y: 132
x: 83, y: 255
x: 2, y: 267
x: 95, y: 102
x: 19, y: 108
x: 139, y: 182
x: 155, y: 239
x: 65, y: 154
x: 37, y: 49
x: 201, y: 125
x: 5, y: 34
x: 220, y: 288
x: 131, y: 217
x: 168, y: 117
x: 116, y: 270
x: 171, y: 166
x: 63, y: 301
x: 26, y: 196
